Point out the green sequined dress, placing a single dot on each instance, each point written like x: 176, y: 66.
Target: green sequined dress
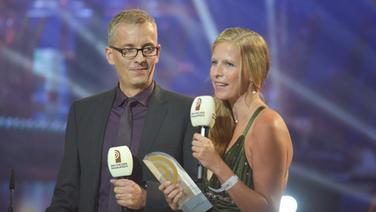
x: 236, y: 159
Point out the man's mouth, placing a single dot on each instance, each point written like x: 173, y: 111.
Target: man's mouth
x: 139, y: 69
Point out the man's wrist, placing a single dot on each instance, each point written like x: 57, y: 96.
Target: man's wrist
x: 142, y: 202
x: 144, y: 197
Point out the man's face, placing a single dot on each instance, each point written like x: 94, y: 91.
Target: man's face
x: 135, y: 74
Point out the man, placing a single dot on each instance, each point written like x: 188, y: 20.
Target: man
x: 160, y: 122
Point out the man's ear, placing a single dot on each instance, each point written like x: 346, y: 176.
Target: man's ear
x: 109, y: 56
x: 159, y: 53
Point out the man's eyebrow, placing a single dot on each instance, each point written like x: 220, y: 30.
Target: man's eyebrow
x: 148, y: 44
x: 129, y: 45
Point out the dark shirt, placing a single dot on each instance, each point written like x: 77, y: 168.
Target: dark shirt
x: 139, y: 111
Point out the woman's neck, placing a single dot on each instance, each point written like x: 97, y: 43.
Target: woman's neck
x: 244, y: 106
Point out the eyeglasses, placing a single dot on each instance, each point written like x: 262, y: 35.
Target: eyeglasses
x: 130, y: 53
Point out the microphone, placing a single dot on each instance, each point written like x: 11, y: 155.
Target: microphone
x: 12, y: 187
x: 203, y: 115
x: 122, y: 164
x: 120, y: 161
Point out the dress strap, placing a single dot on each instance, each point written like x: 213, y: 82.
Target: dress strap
x: 252, y: 119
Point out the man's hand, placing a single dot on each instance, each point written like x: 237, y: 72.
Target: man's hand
x: 129, y: 194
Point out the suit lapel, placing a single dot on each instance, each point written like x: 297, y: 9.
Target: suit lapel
x: 153, y: 122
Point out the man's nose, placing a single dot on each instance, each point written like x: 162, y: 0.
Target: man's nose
x: 139, y: 56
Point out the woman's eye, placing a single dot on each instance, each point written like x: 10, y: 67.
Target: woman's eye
x: 229, y: 64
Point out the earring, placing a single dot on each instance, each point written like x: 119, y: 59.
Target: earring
x: 253, y: 87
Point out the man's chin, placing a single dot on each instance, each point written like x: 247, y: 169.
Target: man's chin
x: 142, y: 83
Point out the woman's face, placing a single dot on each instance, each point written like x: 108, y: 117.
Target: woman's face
x: 225, y: 71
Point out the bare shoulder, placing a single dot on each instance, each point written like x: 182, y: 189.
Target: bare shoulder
x: 269, y: 120
x: 269, y: 133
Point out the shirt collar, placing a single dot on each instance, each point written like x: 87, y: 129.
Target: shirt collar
x: 141, y: 97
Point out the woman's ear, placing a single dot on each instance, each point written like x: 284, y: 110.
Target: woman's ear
x: 252, y: 87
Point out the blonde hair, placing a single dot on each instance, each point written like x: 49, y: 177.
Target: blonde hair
x: 255, y: 62
x: 224, y: 126
x: 132, y: 16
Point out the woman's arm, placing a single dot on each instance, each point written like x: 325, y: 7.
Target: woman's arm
x: 269, y: 151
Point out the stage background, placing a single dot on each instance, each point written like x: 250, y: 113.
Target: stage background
x: 322, y: 81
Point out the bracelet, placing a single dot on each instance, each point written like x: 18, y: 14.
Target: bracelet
x: 226, y: 185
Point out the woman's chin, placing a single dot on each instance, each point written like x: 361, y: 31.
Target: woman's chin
x: 221, y: 96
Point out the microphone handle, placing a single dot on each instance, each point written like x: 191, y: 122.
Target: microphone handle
x: 199, y: 172
x: 10, y: 208
x: 204, y: 132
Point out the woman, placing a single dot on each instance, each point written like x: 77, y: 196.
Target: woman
x: 249, y: 150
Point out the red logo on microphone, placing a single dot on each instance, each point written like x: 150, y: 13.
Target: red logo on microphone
x: 117, y: 156
x: 198, y: 104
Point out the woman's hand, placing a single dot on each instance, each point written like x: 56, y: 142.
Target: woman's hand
x: 204, y: 151
x: 173, y: 193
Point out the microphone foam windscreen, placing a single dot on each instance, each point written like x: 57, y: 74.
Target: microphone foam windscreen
x: 203, y: 111
x: 120, y: 161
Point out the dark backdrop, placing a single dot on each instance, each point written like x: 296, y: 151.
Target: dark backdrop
x: 322, y: 81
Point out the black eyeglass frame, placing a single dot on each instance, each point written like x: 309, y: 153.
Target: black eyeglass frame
x: 120, y: 50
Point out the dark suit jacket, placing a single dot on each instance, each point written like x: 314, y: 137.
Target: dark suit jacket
x: 167, y: 129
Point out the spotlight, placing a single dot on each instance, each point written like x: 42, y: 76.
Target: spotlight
x: 288, y: 204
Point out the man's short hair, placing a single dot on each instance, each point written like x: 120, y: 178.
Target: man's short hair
x: 132, y: 16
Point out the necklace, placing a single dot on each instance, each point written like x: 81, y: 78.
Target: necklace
x: 253, y: 103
